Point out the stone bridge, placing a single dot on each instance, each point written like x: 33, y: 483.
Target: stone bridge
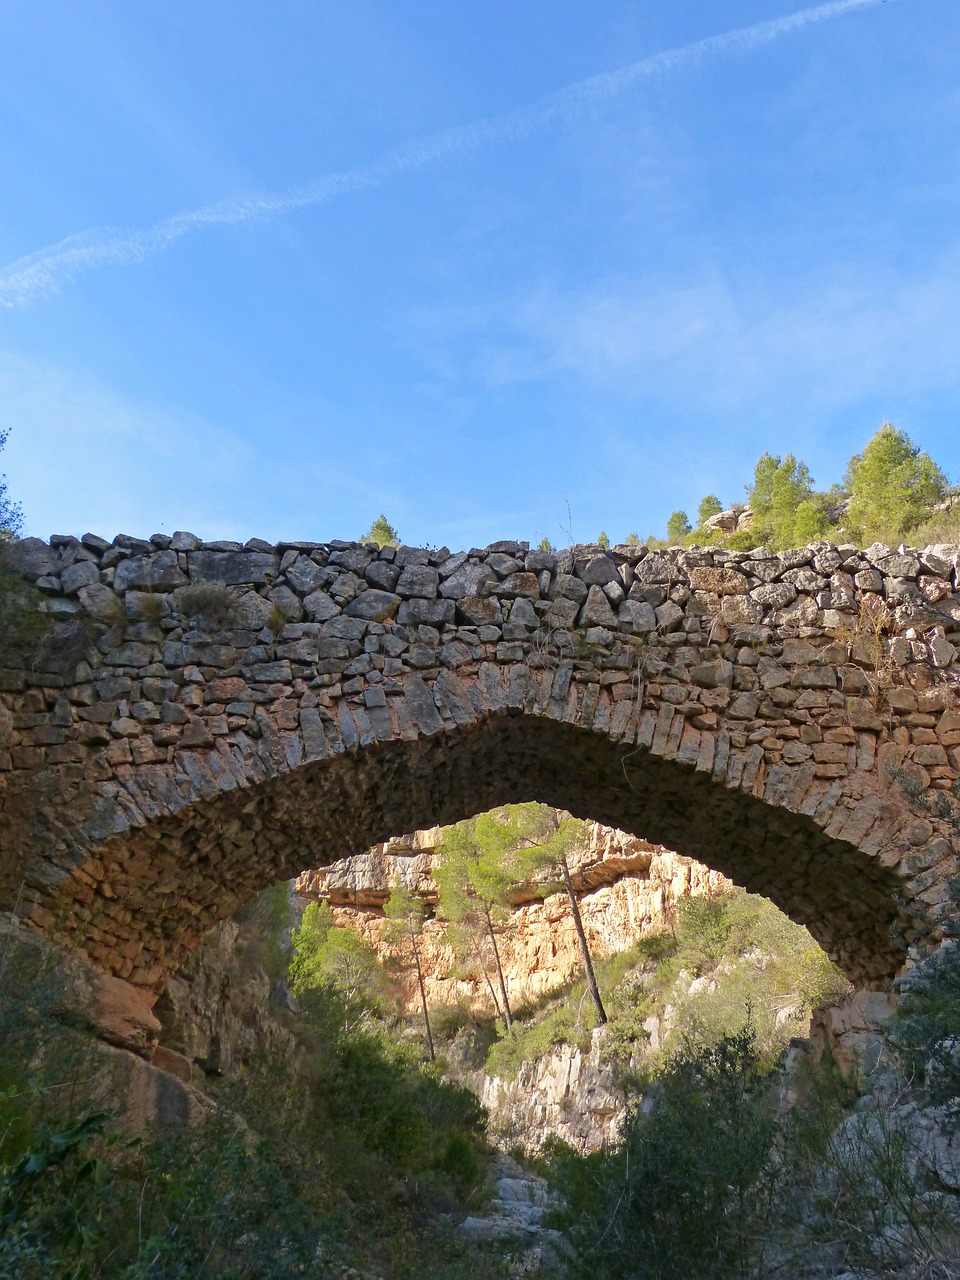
x: 209, y: 718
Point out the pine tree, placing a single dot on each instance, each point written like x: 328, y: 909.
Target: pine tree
x: 892, y: 486
x: 786, y: 511
x: 382, y: 533
x: 709, y: 506
x: 678, y: 526
x: 475, y: 879
x: 485, y: 859
x: 405, y: 914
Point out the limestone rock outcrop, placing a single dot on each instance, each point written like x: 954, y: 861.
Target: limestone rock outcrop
x: 626, y: 887
x: 569, y: 1093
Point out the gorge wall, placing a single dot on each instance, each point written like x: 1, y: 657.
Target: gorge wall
x: 626, y: 887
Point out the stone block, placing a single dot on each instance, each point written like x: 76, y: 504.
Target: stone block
x: 374, y: 605
x: 418, y: 581
x: 231, y: 568
x: 418, y: 610
x: 160, y: 570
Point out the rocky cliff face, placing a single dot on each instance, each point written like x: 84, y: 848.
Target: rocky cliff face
x: 626, y: 887
x: 568, y: 1093
x: 222, y: 1007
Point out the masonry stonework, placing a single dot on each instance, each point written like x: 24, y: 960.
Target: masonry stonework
x: 209, y: 718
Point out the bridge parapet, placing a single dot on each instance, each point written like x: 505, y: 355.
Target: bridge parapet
x: 210, y: 716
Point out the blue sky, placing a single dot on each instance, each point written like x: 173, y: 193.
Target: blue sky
x: 518, y: 269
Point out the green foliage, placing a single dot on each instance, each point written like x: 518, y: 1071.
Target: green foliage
x: 546, y: 544
x: 678, y: 526
x: 482, y: 862
x: 271, y: 912
x: 632, y: 539
x: 743, y: 540
x: 759, y: 966
x: 709, y: 506
x: 209, y: 604
x: 382, y: 533
x: 405, y: 911
x: 326, y: 956
x: 926, y: 1027
x: 675, y: 1198
x: 569, y: 1020
x: 754, y: 964
x: 603, y: 542
x: 786, y: 512
x: 24, y: 624
x: 11, y: 513
x: 333, y: 1163
x: 892, y: 486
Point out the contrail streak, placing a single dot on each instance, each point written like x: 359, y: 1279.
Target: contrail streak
x: 43, y: 271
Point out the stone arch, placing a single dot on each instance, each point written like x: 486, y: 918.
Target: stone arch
x: 152, y: 786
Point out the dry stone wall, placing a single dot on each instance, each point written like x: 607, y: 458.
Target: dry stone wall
x: 210, y: 717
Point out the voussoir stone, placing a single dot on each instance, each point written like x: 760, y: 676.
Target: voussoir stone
x: 520, y: 584
x: 804, y: 579
x: 382, y: 574
x: 320, y: 606
x: 721, y: 582
x: 899, y: 566
x: 183, y: 541
x: 655, y: 569
x: 32, y: 558
x: 775, y: 595
x: 417, y: 610
x: 101, y: 602
x: 250, y: 610
x: 795, y: 558
x: 599, y: 570
x: 570, y: 587
x: 502, y: 564
x: 638, y: 616
x: 713, y: 675
x: 480, y: 610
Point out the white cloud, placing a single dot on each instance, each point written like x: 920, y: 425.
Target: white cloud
x: 847, y: 333
x: 48, y: 268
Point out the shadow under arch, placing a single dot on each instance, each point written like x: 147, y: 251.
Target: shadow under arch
x: 158, y: 888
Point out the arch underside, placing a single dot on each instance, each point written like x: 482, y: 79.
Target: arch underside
x: 146, y: 898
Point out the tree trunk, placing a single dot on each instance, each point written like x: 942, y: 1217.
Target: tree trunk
x: 423, y: 999
x: 507, y: 1016
x: 493, y: 994
x: 590, y: 976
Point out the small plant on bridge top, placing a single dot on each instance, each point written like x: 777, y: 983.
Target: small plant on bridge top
x: 276, y: 620
x: 866, y: 641
x: 382, y: 533
x: 207, y: 602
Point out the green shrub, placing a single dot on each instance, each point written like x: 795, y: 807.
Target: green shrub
x: 926, y: 1027
x: 207, y: 603
x: 676, y: 1197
